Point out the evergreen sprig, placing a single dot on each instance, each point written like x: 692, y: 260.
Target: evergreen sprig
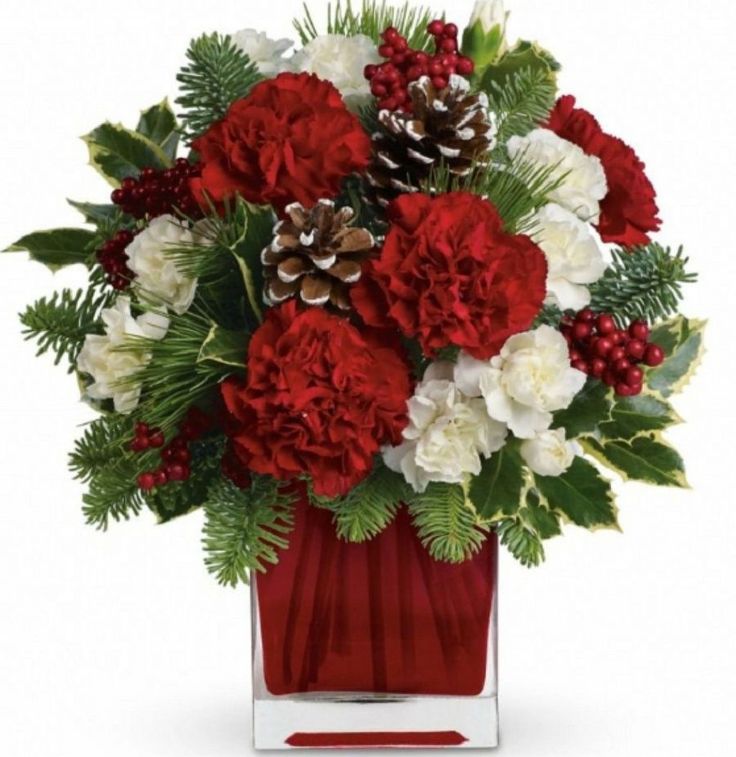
x: 522, y: 541
x: 372, y: 19
x: 643, y: 283
x: 60, y: 323
x: 101, y: 445
x: 113, y: 492
x: 524, y: 102
x: 245, y: 528
x: 446, y: 524
x: 218, y: 74
x: 370, y: 507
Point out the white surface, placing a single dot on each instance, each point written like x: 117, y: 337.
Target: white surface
x: 120, y: 644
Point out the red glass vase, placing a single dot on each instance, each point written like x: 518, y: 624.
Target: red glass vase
x: 375, y: 644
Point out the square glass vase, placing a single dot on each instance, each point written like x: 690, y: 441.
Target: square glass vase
x: 373, y: 645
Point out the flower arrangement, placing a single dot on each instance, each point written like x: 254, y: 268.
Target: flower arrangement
x: 392, y: 269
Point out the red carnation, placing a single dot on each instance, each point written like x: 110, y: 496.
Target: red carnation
x: 449, y: 275
x: 629, y: 210
x: 320, y: 398
x: 291, y: 140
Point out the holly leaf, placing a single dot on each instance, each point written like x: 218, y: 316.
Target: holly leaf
x: 632, y: 416
x: 96, y: 214
x: 225, y: 347
x: 57, y: 248
x: 683, y: 342
x: 539, y: 517
x: 648, y: 459
x: 581, y: 494
x: 497, y: 490
x: 117, y: 152
x: 158, y: 123
x: 524, y: 56
x: 591, y: 407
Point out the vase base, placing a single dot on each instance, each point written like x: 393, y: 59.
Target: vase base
x: 369, y: 722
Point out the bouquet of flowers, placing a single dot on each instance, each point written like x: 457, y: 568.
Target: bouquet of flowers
x: 392, y: 270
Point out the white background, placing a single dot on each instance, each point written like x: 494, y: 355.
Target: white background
x: 120, y: 644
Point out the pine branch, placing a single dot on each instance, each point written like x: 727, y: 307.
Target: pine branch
x: 372, y: 19
x: 447, y: 526
x: 114, y: 493
x: 370, y: 507
x: 61, y: 323
x: 244, y: 529
x: 522, y: 541
x: 217, y: 75
x: 643, y: 283
x: 102, y: 444
x: 525, y: 101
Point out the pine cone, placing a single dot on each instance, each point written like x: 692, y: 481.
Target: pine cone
x: 447, y: 125
x: 315, y: 255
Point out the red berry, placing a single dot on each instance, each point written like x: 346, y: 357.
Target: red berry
x: 623, y: 390
x: 391, y: 35
x: 639, y: 330
x: 575, y: 355
x: 139, y: 444
x: 182, y: 456
x: 448, y: 45
x: 616, y: 354
x: 465, y: 67
x: 581, y: 331
x: 581, y: 365
x: 436, y: 27
x: 161, y: 477
x: 609, y: 378
x: 635, y: 349
x: 634, y: 376
x: 435, y: 68
x: 146, y: 481
x: 619, y: 336
x: 386, y: 51
x: 157, y: 440
x: 585, y: 316
x: 177, y: 472
x: 622, y: 366
x: 370, y: 71
x: 598, y: 367
x: 378, y: 90
x: 414, y: 73
x: 654, y: 356
x: 451, y: 31
x: 439, y: 82
x: 603, y: 347
x: 605, y: 325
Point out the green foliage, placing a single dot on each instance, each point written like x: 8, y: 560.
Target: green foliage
x: 117, y: 153
x: 524, y: 533
x: 646, y: 458
x: 99, y: 215
x: 179, y: 498
x: 643, y: 283
x: 591, y: 407
x: 244, y: 529
x: 497, y: 491
x: 56, y: 248
x: 372, y: 19
x: 370, y: 507
x: 581, y: 494
x: 61, y: 323
x: 683, y: 341
x: 447, y: 523
x: 179, y: 373
x: 632, y: 416
x: 102, y: 444
x: 522, y: 102
x: 158, y: 123
x: 218, y: 74
x: 524, y: 56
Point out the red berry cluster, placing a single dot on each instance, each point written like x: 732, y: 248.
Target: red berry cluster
x: 390, y: 81
x: 114, y: 260
x: 155, y: 193
x: 176, y: 456
x: 602, y: 350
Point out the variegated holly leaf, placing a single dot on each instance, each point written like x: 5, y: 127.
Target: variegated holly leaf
x: 648, y: 459
x: 158, y: 123
x: 581, y: 494
x: 591, y: 407
x: 497, y: 491
x: 538, y: 516
x: 225, y: 347
x: 633, y: 416
x: 57, y: 248
x: 117, y: 152
x: 683, y: 342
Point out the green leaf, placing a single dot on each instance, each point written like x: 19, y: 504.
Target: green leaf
x: 646, y: 458
x: 497, y: 490
x: 581, y: 494
x: 158, y: 123
x: 524, y: 56
x: 57, y: 248
x: 536, y: 515
x: 632, y: 416
x: 225, y: 347
x: 96, y: 214
x: 591, y: 407
x: 370, y: 507
x: 117, y: 152
x: 447, y: 523
x: 683, y: 341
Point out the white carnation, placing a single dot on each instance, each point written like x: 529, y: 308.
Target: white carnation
x: 522, y: 387
x: 549, y: 453
x: 489, y: 13
x: 584, y: 185
x: 112, y: 368
x: 265, y: 52
x: 573, y: 256
x: 158, y: 279
x: 340, y: 60
x: 447, y: 435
